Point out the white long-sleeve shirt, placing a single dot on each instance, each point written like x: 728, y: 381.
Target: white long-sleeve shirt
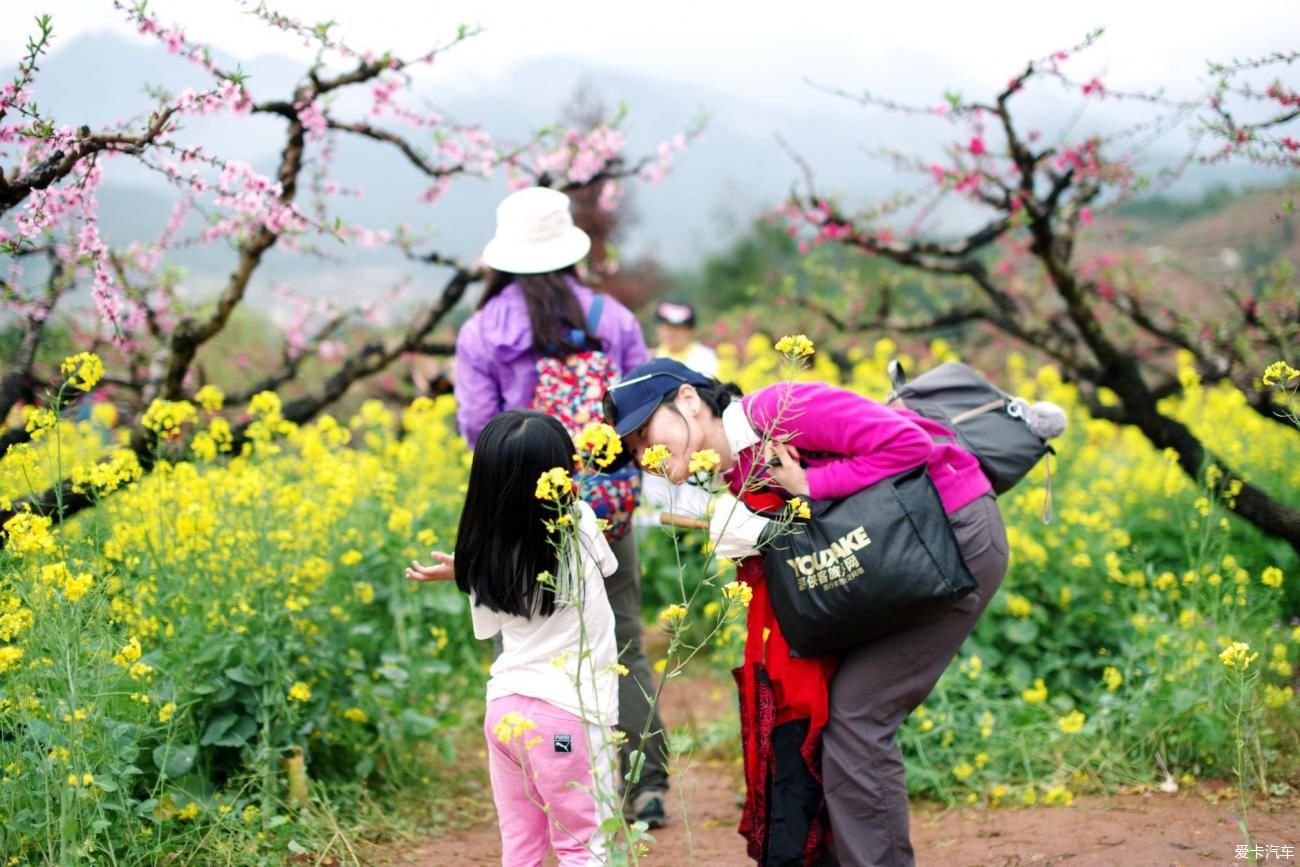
x: 566, y: 659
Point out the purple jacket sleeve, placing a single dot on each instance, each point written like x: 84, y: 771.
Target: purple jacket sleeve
x: 632, y: 339
x: 874, y: 441
x: 478, y: 394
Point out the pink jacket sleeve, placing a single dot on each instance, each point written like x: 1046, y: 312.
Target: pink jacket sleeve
x: 870, y: 441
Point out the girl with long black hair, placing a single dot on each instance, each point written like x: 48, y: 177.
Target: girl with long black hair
x: 552, y: 696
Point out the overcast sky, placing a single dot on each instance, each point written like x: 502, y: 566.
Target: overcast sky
x: 746, y: 64
x: 756, y: 49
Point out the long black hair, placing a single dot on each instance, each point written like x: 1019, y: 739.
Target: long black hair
x: 502, y: 544
x: 553, y: 310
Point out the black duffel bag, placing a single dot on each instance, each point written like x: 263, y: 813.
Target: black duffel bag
x: 863, y: 566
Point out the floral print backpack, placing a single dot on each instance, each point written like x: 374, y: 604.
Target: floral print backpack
x: 570, y: 389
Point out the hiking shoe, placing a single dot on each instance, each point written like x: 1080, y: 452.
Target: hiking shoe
x: 648, y: 807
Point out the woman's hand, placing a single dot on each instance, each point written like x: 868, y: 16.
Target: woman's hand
x: 784, y: 467
x: 443, y: 570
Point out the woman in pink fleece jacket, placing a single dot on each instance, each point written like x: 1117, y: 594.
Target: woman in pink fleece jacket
x: 819, y: 442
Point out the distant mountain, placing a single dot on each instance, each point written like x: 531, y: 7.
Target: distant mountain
x: 1200, y: 244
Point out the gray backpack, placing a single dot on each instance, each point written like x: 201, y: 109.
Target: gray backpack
x: 1008, y: 435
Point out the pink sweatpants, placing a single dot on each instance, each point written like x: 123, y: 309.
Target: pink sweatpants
x: 544, y: 792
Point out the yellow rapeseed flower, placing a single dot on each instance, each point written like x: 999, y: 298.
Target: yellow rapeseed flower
x: 1271, y: 577
x: 1019, y: 606
x: 300, y: 691
x: 265, y: 404
x: 84, y: 370
x: 704, y: 461
x: 554, y: 485
x: 512, y: 726
x: 29, y: 533
x: 656, y: 458
x: 210, y: 398
x: 738, y: 591
x: 1071, y: 722
x: 799, y: 508
x: 1059, y: 795
x: 1274, y: 697
x: 1112, y: 678
x: 40, y: 422
x: 104, y: 414
x: 166, y: 712
x: 963, y: 771
x: 76, y: 586
x: 1279, y: 371
x: 129, y: 653
x: 795, y: 346
x: 356, y: 715
x: 672, y: 614
x: 1237, y: 656
x: 599, y: 444
x: 10, y: 656
x: 1037, y: 694
x: 165, y: 417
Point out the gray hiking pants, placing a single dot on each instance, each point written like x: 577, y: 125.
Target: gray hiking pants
x: 874, y: 690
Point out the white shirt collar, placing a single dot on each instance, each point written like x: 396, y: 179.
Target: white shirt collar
x: 740, y: 433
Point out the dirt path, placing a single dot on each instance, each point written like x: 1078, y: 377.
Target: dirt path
x: 1190, y: 828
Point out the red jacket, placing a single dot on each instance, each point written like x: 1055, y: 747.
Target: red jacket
x: 777, y: 693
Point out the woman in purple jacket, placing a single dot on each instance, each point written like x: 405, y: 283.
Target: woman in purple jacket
x: 533, y: 308
x: 811, y: 440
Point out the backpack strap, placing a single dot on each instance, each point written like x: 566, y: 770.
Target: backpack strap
x: 577, y: 336
x: 593, y: 315
x: 979, y: 410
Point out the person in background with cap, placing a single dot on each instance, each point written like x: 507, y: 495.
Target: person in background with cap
x: 535, y: 307
x: 675, y: 324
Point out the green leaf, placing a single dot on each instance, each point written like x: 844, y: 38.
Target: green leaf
x: 1022, y: 631
x: 173, y: 761
x: 1183, y: 700
x: 418, y: 724
x: 218, y: 727
x: 239, y: 674
x: 611, y: 825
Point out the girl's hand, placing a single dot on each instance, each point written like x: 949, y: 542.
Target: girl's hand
x: 443, y: 570
x: 784, y: 467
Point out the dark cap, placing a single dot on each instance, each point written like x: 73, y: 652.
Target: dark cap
x: 675, y: 313
x: 630, y: 403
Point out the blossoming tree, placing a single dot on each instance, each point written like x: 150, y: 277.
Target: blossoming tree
x: 1026, y: 272
x: 149, y: 335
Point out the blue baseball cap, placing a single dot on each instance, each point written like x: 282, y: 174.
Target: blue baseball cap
x: 629, y: 404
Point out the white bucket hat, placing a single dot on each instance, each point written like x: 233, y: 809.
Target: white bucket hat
x: 535, y: 234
